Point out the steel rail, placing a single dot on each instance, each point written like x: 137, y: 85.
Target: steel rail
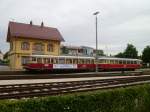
x: 43, y: 89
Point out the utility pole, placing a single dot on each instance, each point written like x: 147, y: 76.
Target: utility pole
x: 96, y: 57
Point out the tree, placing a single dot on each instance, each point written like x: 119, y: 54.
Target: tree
x: 100, y: 53
x: 146, y: 54
x: 120, y: 55
x: 64, y: 50
x: 130, y: 52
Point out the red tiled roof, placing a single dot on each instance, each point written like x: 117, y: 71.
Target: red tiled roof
x: 32, y: 31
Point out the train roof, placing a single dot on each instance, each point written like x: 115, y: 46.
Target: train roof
x: 86, y: 57
x: 81, y: 57
x: 115, y: 58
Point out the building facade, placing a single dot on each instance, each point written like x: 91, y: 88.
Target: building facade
x: 80, y: 51
x: 29, y: 39
x: 1, y: 55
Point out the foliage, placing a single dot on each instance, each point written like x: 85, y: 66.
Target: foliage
x: 131, y: 99
x: 120, y: 55
x: 129, y: 52
x: 146, y: 54
x: 100, y: 53
x: 65, y: 50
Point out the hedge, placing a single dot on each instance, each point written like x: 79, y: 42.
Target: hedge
x: 130, y: 99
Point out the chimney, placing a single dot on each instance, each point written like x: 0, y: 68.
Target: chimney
x: 30, y: 22
x: 42, y: 24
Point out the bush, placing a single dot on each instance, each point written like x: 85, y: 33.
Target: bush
x: 130, y: 99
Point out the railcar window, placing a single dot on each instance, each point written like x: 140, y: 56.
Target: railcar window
x: 33, y: 58
x: 45, y: 60
x: 120, y: 62
x: 68, y: 61
x: 100, y: 61
x: 111, y: 61
x: 87, y: 61
x: 135, y: 62
x: 75, y: 61
x: 107, y: 61
x: 128, y: 62
x: 61, y: 61
x: 81, y: 61
x: 49, y: 60
x: 54, y: 61
x: 39, y: 60
x: 92, y: 61
x: 116, y: 62
x: 132, y: 62
x: 124, y: 61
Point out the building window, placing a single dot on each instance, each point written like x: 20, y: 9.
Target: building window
x: 38, y: 47
x: 25, y: 46
x: 50, y: 47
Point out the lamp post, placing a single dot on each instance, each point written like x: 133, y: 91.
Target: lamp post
x: 96, y: 57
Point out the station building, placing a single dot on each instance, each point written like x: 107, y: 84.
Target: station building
x: 1, y: 55
x: 29, y: 39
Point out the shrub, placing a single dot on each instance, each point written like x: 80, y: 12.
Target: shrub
x: 130, y: 99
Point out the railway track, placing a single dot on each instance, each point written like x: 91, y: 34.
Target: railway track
x: 18, y: 91
x: 66, y: 75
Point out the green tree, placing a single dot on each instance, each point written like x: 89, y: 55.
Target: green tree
x: 130, y: 52
x: 120, y: 55
x: 146, y: 54
x: 100, y: 53
x: 64, y: 50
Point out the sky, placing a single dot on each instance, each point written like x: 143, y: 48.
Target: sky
x: 119, y: 21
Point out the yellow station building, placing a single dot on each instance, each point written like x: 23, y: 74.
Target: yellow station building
x: 29, y: 39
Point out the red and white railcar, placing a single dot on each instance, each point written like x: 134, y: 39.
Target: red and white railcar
x: 47, y: 62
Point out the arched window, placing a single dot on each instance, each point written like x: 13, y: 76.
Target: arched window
x: 25, y: 46
x: 38, y: 47
x: 50, y: 47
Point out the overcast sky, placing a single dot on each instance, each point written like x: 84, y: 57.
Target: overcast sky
x: 119, y: 22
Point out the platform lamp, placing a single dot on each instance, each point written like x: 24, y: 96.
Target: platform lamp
x: 96, y: 57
